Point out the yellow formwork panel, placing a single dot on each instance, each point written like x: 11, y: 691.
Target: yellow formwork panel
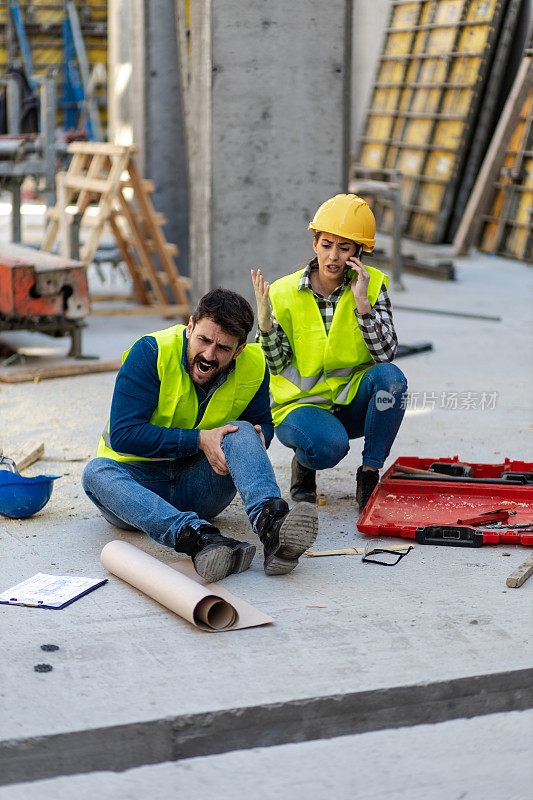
x: 428, y: 82
x: 509, y: 229
x: 373, y: 154
x: 405, y: 15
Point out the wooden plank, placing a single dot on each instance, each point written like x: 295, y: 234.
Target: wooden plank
x: 146, y: 208
x: 148, y: 185
x: 158, y: 217
x: 144, y: 255
x: 520, y: 574
x: 27, y: 454
x: 82, y: 182
x: 95, y: 168
x: 105, y: 206
x: 480, y: 198
x: 64, y: 219
x: 63, y: 369
x: 153, y: 310
x: 115, y: 297
x: 101, y: 148
x: 140, y: 288
x: 62, y: 201
x: 152, y: 247
x: 356, y: 551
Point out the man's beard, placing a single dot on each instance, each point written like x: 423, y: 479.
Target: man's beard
x: 213, y: 376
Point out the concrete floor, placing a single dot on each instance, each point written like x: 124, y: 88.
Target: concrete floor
x: 486, y: 758
x: 341, y: 627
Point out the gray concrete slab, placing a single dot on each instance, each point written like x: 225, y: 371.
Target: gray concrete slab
x: 487, y: 758
x: 340, y: 626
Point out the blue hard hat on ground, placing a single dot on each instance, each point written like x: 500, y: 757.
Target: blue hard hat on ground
x: 22, y: 497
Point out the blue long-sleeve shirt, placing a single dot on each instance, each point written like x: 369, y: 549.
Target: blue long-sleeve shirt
x: 136, y: 396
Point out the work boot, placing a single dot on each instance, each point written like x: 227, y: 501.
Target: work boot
x: 214, y: 556
x: 285, y: 534
x: 303, y: 482
x: 367, y: 480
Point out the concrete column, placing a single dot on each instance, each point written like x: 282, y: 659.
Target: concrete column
x: 369, y: 22
x: 269, y: 132
x: 145, y: 105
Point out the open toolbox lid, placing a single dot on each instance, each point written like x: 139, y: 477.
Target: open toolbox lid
x: 398, y: 507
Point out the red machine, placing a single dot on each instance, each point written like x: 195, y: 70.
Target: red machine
x: 42, y: 292
x: 448, y: 502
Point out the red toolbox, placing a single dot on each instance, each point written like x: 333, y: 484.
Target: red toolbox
x: 441, y: 508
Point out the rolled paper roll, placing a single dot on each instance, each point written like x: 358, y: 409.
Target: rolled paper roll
x: 215, y: 613
x: 182, y: 595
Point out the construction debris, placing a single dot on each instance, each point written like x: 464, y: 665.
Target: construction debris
x: 27, y: 454
x: 520, y: 574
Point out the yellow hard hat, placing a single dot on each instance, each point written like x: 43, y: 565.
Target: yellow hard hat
x: 349, y: 216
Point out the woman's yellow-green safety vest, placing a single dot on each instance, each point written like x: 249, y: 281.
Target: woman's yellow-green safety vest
x: 325, y: 369
x: 177, y: 406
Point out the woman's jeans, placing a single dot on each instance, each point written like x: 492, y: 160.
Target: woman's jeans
x: 321, y: 438
x: 159, y: 497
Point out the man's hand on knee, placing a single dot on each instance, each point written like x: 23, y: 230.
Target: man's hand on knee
x: 260, y: 434
x: 209, y: 443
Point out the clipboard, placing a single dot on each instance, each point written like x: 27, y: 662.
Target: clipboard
x: 49, y: 591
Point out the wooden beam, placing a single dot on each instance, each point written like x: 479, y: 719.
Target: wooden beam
x: 153, y: 310
x: 101, y: 148
x: 27, y: 454
x: 520, y: 574
x: 60, y: 370
x: 480, y: 197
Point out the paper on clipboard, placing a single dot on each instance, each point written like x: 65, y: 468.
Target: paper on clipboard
x: 49, y: 591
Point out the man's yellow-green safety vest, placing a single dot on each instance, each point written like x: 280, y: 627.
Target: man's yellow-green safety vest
x: 325, y: 369
x: 177, y: 406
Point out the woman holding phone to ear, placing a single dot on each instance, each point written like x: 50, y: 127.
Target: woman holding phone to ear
x: 328, y: 335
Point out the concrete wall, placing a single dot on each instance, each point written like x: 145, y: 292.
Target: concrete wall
x: 272, y: 118
x: 370, y: 18
x: 271, y: 122
x: 146, y: 105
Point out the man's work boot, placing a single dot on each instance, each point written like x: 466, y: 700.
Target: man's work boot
x: 214, y: 556
x: 367, y: 480
x: 303, y: 482
x: 286, y: 534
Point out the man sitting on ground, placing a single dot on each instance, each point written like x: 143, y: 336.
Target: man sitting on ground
x: 189, y: 426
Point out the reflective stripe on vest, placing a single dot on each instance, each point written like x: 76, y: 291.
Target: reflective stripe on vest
x: 325, y: 369
x: 178, y: 402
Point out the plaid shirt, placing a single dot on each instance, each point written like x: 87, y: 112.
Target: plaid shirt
x: 377, y: 326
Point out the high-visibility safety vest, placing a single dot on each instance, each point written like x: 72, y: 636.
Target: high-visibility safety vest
x: 177, y: 406
x: 326, y: 368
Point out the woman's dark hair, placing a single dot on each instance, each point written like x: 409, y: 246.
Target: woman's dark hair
x: 229, y: 310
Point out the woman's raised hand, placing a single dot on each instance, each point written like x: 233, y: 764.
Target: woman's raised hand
x: 359, y: 284
x: 261, y: 288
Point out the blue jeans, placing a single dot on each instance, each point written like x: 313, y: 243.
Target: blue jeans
x: 159, y: 497
x: 321, y: 438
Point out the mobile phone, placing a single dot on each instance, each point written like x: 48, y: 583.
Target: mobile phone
x: 351, y: 273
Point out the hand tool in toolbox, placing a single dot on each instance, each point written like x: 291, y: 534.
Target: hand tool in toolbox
x: 433, y: 502
x: 435, y: 475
